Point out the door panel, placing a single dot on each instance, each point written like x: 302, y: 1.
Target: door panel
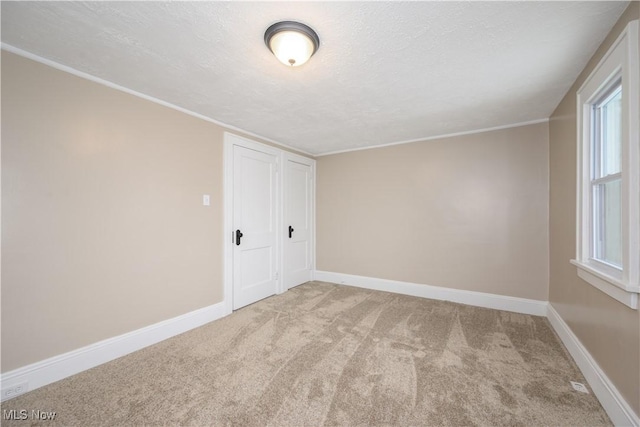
x: 299, y: 255
x: 254, y: 214
x: 298, y: 216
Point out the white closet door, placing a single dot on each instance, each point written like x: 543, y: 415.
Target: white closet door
x: 298, y: 220
x: 255, y: 210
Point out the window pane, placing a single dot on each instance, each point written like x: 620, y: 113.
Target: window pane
x: 611, y: 128
x: 608, y: 222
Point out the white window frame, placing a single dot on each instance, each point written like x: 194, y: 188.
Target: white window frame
x: 619, y: 63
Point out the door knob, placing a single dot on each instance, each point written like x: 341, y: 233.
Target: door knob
x: 238, y: 237
x: 290, y: 231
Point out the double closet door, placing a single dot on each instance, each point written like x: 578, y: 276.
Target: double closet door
x: 272, y: 217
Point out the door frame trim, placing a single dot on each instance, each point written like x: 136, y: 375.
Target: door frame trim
x: 229, y: 141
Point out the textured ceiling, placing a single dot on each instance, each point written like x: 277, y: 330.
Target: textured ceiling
x: 385, y: 72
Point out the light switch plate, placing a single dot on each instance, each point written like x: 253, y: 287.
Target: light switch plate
x: 206, y: 200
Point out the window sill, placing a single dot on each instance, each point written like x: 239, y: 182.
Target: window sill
x: 612, y: 286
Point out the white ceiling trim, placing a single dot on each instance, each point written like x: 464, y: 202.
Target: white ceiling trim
x: 431, y: 138
x: 438, y: 69
x: 9, y: 48
x: 87, y: 76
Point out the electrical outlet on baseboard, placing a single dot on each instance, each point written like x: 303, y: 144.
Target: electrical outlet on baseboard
x: 15, y: 390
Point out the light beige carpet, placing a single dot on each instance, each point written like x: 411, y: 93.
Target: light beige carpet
x: 323, y: 354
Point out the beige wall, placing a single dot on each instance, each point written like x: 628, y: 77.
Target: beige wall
x: 466, y: 212
x: 103, y: 228
x: 608, y: 329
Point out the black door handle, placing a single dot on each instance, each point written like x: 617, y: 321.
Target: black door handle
x: 238, y: 237
x: 290, y: 231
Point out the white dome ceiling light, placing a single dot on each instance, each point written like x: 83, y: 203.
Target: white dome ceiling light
x: 293, y: 43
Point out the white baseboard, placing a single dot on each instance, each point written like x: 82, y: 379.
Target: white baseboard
x: 62, y: 366
x: 59, y: 367
x: 612, y: 401
x: 479, y: 299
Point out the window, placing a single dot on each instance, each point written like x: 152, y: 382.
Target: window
x: 608, y: 237
x: 606, y: 178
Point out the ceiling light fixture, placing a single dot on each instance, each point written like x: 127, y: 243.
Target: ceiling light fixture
x: 293, y: 43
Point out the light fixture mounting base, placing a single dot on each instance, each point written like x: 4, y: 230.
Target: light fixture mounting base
x: 292, y: 26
